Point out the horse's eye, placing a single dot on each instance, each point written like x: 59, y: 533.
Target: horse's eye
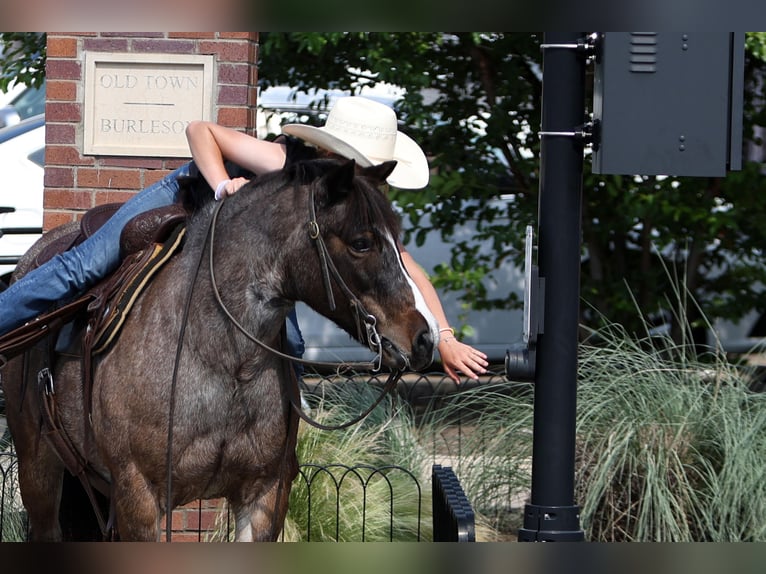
x: 361, y: 244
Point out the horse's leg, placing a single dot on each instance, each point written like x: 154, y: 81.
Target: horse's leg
x: 41, y: 475
x: 262, y: 520
x: 40, y: 471
x: 136, y: 506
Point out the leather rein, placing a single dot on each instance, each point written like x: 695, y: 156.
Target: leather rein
x: 365, y: 320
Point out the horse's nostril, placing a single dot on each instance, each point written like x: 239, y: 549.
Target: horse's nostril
x: 424, y: 342
x: 422, y: 350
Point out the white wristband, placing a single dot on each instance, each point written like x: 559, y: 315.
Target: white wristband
x: 219, y: 189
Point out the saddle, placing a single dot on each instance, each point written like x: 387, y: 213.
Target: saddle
x: 146, y: 242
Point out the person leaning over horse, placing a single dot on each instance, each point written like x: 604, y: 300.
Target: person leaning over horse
x: 356, y: 128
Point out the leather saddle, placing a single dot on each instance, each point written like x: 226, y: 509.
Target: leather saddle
x: 146, y: 242
x: 144, y: 229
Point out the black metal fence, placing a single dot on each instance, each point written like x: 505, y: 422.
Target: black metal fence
x: 362, y: 486
x: 350, y: 483
x: 453, y: 517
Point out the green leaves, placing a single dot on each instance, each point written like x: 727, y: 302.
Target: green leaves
x: 22, y: 59
x: 473, y: 102
x: 755, y: 43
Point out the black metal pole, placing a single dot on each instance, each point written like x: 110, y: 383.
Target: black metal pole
x: 552, y: 514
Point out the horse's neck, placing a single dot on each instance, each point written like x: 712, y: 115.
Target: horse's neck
x: 248, y: 269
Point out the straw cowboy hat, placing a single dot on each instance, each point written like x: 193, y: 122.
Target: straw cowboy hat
x: 366, y: 131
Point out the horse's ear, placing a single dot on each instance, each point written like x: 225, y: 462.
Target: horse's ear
x: 380, y: 172
x: 338, y: 180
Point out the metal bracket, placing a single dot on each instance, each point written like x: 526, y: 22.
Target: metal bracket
x: 586, y: 45
x: 588, y: 133
x: 45, y: 380
x: 520, y: 360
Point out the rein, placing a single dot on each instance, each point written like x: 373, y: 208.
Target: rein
x: 173, y: 388
x: 328, y: 267
x: 369, y: 321
x: 372, y: 335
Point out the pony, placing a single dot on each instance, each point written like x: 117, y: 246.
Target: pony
x: 191, y: 401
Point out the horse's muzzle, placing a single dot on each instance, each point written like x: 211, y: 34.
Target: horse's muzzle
x: 420, y: 356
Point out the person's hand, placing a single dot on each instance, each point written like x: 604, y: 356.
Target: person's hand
x: 459, y: 357
x: 229, y: 187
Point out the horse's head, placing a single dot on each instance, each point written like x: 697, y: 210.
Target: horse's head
x: 363, y: 285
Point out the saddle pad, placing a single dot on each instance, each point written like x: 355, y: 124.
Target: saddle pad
x: 135, y: 274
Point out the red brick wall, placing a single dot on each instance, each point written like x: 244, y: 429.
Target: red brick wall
x: 73, y: 182
x: 199, y: 521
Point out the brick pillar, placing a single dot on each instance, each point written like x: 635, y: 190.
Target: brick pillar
x: 75, y: 183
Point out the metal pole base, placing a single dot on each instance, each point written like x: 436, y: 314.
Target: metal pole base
x: 551, y: 524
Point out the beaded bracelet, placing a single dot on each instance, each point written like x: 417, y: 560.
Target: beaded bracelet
x: 450, y: 329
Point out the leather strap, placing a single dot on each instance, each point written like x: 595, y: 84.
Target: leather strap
x: 62, y: 444
x: 17, y: 341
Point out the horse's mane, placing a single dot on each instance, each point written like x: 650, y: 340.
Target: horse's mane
x: 367, y: 204
x: 194, y: 192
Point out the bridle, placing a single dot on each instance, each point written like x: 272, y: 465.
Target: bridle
x: 364, y: 319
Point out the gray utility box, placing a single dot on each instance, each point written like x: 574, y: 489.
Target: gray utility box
x: 668, y: 103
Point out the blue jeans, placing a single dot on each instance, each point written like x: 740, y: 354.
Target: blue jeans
x: 71, y: 273
x: 295, y: 344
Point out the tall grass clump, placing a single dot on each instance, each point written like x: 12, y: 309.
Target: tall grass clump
x: 367, y: 482
x: 13, y: 527
x: 670, y: 446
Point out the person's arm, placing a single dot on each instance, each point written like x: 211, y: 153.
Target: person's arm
x: 210, y: 143
x: 456, y: 356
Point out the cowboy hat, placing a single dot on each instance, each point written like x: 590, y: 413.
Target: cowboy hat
x: 366, y: 131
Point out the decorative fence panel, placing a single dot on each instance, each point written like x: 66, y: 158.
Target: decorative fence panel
x: 359, y: 486
x: 365, y: 488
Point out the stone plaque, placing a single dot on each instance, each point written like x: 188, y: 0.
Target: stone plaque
x: 140, y: 104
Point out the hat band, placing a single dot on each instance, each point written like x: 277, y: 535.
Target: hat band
x: 366, y: 137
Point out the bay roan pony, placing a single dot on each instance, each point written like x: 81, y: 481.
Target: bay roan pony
x: 233, y: 433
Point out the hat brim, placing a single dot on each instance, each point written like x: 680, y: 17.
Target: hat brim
x: 411, y: 171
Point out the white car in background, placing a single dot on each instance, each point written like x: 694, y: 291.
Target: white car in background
x: 21, y: 102
x: 22, y: 162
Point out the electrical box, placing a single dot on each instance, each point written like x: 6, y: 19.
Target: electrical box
x: 668, y: 103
